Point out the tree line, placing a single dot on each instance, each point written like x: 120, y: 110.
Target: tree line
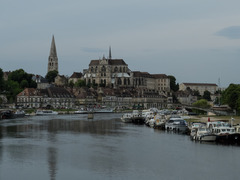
x: 17, y: 81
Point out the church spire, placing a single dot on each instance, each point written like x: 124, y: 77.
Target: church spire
x: 53, y: 59
x: 53, y: 51
x: 110, y: 53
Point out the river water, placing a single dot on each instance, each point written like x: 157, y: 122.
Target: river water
x: 73, y: 147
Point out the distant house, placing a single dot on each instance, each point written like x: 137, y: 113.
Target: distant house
x: 42, y: 83
x: 55, y: 97
x: 75, y: 77
x: 185, y: 97
x: 201, y: 87
x: 60, y: 80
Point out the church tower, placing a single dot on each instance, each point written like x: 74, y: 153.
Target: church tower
x: 53, y: 59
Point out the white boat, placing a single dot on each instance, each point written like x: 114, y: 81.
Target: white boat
x: 202, y: 134
x: 176, y: 124
x: 103, y: 110
x: 137, y: 117
x: 159, y: 120
x: 224, y: 132
x: 46, y: 112
x: 19, y: 114
x: 127, y: 118
x: 81, y: 111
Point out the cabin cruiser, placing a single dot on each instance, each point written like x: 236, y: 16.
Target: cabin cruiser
x: 176, y: 124
x: 81, y: 111
x: 19, y: 114
x: 148, y: 116
x: 224, y: 132
x: 158, y: 121
x: 202, y: 134
x: 127, y: 118
x: 137, y: 117
x: 46, y: 112
x: 103, y: 110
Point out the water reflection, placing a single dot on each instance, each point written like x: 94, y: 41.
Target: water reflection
x: 21, y: 129
x: 52, y: 162
x: 72, y: 147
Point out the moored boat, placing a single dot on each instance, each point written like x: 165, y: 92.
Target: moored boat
x: 46, y: 112
x: 19, y: 114
x: 224, y: 133
x: 176, y: 124
x: 202, y: 134
x: 127, y: 118
x: 7, y: 114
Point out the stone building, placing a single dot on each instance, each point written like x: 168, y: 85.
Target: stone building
x: 144, y: 80
x: 53, y: 59
x: 60, y: 80
x: 186, y: 97
x: 54, y: 97
x: 162, y: 82
x: 108, y: 72
x: 42, y: 83
x: 201, y: 87
x: 75, y: 77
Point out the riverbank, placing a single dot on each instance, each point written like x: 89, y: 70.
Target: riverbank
x: 214, y: 118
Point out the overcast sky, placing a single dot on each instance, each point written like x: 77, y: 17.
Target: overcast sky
x: 193, y: 40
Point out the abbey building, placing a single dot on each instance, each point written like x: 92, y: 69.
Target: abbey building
x: 115, y: 73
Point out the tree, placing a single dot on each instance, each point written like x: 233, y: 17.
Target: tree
x: 202, y: 103
x: 23, y: 78
x: 24, y: 84
x: 207, y: 95
x: 231, y: 96
x: 12, y: 89
x: 1, y: 80
x: 80, y: 83
x: 173, y: 86
x: 51, y: 76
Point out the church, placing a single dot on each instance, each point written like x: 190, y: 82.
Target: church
x: 108, y: 72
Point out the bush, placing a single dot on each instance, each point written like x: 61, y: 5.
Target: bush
x: 202, y: 103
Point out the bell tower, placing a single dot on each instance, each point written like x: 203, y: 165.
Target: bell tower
x: 53, y: 59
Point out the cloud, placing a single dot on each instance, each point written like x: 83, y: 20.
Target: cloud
x: 231, y: 32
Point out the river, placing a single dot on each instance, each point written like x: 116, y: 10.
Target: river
x: 72, y: 147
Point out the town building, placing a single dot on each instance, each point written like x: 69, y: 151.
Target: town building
x: 52, y: 97
x: 186, y: 97
x: 200, y: 87
x: 42, y: 83
x: 75, y: 77
x: 162, y: 82
x: 60, y: 80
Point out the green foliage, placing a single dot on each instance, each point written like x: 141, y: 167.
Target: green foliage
x: 19, y: 75
x: 80, y: 83
x: 173, y: 86
x: 202, y: 103
x: 24, y: 84
x: 51, y: 76
x: 12, y: 89
x: 1, y: 80
x: 207, y: 95
x: 17, y: 81
x: 231, y: 96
